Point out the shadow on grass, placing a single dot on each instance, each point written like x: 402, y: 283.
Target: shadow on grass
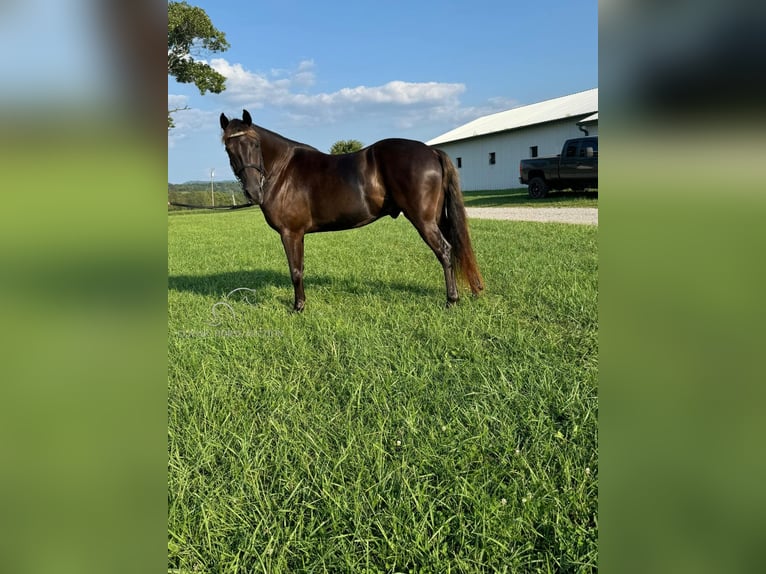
x: 519, y: 196
x: 219, y: 284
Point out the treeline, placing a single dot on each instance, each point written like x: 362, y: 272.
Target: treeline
x: 223, y: 186
x: 197, y: 193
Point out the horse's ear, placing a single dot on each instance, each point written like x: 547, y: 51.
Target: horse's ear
x: 246, y: 118
x: 224, y: 121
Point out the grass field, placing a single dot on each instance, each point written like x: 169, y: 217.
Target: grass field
x: 379, y: 431
x: 518, y: 198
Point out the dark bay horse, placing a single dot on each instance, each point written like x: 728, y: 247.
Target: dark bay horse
x: 302, y: 190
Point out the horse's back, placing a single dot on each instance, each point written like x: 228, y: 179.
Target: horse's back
x: 402, y: 147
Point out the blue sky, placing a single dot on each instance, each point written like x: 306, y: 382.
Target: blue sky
x: 318, y: 72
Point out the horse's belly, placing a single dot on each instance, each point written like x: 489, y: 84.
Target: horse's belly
x: 344, y: 209
x: 343, y: 220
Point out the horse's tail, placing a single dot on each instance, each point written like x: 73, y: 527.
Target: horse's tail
x: 454, y: 226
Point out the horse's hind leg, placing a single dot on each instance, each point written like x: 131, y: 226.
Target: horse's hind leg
x: 443, y: 250
x: 293, y: 244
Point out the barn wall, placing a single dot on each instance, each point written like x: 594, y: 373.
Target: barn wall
x: 510, y: 147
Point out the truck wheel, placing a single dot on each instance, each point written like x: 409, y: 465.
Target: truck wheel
x: 537, y: 188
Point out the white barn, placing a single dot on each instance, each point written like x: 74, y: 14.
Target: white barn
x: 487, y: 150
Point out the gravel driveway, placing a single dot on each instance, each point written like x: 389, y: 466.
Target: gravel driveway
x: 578, y: 215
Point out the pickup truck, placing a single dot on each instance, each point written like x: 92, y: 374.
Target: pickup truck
x: 576, y: 167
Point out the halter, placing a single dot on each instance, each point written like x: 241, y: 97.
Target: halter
x: 259, y: 168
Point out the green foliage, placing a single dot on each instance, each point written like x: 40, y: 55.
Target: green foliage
x: 379, y: 431
x: 230, y: 186
x: 191, y: 35
x: 345, y: 146
x: 198, y: 193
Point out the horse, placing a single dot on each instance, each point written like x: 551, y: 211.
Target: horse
x: 301, y: 190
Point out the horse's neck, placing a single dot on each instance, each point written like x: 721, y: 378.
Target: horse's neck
x: 275, y: 150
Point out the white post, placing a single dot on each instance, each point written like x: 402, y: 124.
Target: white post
x: 212, y: 196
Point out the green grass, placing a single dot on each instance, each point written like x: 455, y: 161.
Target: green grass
x: 518, y: 198
x: 379, y: 431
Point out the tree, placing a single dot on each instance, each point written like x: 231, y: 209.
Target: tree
x: 345, y: 146
x: 191, y: 35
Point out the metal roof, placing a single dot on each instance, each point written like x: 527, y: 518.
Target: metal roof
x: 579, y: 104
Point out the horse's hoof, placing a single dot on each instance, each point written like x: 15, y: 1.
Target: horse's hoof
x: 451, y: 302
x: 298, y: 307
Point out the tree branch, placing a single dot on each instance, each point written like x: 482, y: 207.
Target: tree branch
x: 172, y: 111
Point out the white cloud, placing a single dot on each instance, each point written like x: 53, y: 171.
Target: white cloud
x: 396, y: 93
x: 286, y: 89
x: 304, y: 75
x: 248, y: 88
x: 191, y: 121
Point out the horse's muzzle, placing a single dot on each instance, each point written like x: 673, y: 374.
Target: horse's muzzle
x: 255, y: 196
x: 252, y: 187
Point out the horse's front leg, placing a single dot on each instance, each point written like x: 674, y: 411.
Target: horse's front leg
x: 293, y: 244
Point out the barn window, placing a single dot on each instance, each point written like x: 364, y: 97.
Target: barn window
x: 460, y: 162
x: 491, y: 158
x: 533, y: 151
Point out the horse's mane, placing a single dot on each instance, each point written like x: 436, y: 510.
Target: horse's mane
x: 282, y: 138
x: 261, y: 130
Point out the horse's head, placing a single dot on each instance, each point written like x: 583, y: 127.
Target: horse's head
x: 243, y: 145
